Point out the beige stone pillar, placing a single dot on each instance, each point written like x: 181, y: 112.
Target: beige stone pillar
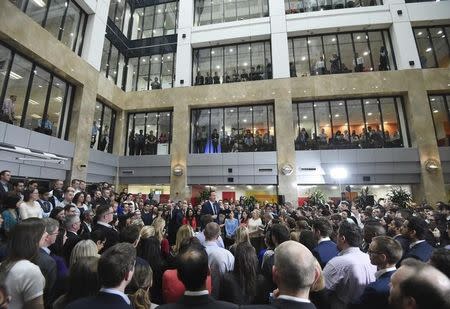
x: 80, y: 129
x: 179, y: 151
x: 418, y: 112
x: 287, y: 184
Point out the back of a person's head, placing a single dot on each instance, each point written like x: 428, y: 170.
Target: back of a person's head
x: 419, y: 225
x: 295, y: 266
x: 426, y: 288
x: 242, y: 235
x: 115, y: 263
x: 389, y: 247
x: 192, y: 267
x: 246, y: 267
x: 149, y: 249
x: 139, y: 284
x: 83, y: 279
x: 97, y: 235
x: 147, y: 231
x: 205, y: 219
x: 130, y: 234
x: 373, y: 229
x: 323, y: 226
x: 23, y: 242
x: 70, y: 220
x: 51, y: 225
x: 307, y: 239
x: 280, y: 233
x: 101, y: 210
x: 212, y: 231
x: 10, y: 200
x: 351, y: 232
x: 441, y: 260
x: 84, y: 248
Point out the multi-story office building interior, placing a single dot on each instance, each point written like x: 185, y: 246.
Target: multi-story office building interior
x: 251, y: 97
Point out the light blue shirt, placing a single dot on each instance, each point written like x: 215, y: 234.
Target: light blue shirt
x: 231, y: 226
x: 220, y: 260
x: 201, y: 237
x: 347, y: 275
x: 47, y: 124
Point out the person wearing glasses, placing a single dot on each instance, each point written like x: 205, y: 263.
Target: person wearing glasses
x: 104, y: 216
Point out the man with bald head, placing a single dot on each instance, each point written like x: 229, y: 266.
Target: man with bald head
x: 416, y: 285
x: 294, y: 272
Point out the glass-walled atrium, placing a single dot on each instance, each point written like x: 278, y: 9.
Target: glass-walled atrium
x: 64, y: 19
x: 433, y: 45
x: 351, y: 123
x: 301, y: 6
x: 113, y: 63
x: 155, y: 20
x: 32, y: 97
x: 336, y: 53
x: 233, y: 129
x: 440, y: 109
x: 232, y: 63
x: 149, y: 133
x: 218, y: 11
x: 102, y: 132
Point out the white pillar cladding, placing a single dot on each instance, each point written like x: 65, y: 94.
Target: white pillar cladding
x: 95, y: 34
x: 183, y: 70
x: 402, y: 37
x: 280, y: 51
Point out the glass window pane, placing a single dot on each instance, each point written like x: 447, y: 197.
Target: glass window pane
x: 246, y: 142
x: 204, y: 62
x: 260, y: 126
x: 158, y: 26
x: 151, y: 134
x: 96, y: 125
x: 131, y: 138
x: 113, y: 62
x: 112, y: 9
x: 243, y: 9
x: 244, y: 61
x: 317, y: 61
x: 441, y: 47
x: 347, y: 56
x: 269, y: 140
x: 136, y: 29
x: 5, y: 59
x: 373, y: 122
x: 230, y: 142
x: 216, y: 65
x: 231, y: 74
x: 105, y: 54
x: 381, y: 56
x: 155, y: 72
x: 323, y: 122
x: 255, y: 8
x: 332, y: 60
x: 424, y: 47
x: 304, y: 129
x: 36, y: 10
x: 36, y: 103
x: 356, y: 121
x: 217, y: 11
x: 105, y: 137
x: 441, y: 121
x: 171, y: 18
x: 139, y: 129
x: 341, y: 136
x: 71, y: 26
x: 362, y: 60
x: 148, y: 22
x: 301, y: 57
x: 167, y: 71
x: 200, y: 122
x: 216, y: 131
x: 392, y: 132
x: 55, y: 16
x: 118, y: 20
x: 230, y: 10
x: 56, y: 102
x: 144, y: 65
x: 132, y: 74
x: 17, y: 87
x: 258, y: 65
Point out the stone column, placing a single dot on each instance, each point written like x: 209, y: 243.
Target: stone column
x: 279, y: 41
x: 179, y: 151
x: 420, y: 121
x: 287, y: 184
x: 80, y: 129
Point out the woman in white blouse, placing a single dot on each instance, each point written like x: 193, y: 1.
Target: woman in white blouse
x: 253, y: 229
x: 30, y: 208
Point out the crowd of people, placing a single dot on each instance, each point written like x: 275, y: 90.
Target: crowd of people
x: 77, y: 246
x: 368, y: 138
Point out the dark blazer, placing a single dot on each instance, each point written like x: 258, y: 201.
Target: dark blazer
x: 421, y: 251
x: 84, y: 230
x: 72, y: 240
x: 325, y: 251
x: 173, y: 224
x: 231, y: 291
x: 112, y: 236
x: 207, y: 210
x: 3, y: 192
x: 100, y: 301
x: 48, y: 268
x: 404, y: 242
x: 376, y: 294
x: 283, y: 304
x: 204, y: 301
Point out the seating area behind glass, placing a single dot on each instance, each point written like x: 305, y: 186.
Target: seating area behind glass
x: 233, y: 129
x: 346, y: 124
x: 32, y: 97
x: 64, y: 19
x: 335, y: 53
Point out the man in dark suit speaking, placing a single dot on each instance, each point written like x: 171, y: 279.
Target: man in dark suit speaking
x: 211, y: 207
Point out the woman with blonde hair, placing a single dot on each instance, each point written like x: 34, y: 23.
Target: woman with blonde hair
x: 84, y: 248
x: 147, y: 231
x: 184, y: 232
x: 139, y: 287
x: 242, y: 235
x: 160, y: 232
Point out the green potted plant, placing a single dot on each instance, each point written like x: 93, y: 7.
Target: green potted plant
x: 204, y: 195
x: 316, y: 197
x: 364, y: 198
x: 400, y: 197
x: 249, y: 201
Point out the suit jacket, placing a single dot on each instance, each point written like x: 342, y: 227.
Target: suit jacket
x: 72, y: 240
x: 325, y: 251
x: 84, y: 230
x: 3, y: 192
x: 283, y: 304
x: 207, y: 209
x: 100, y: 301
x: 112, y: 236
x: 203, y: 301
x: 376, y: 294
x: 421, y: 251
x: 173, y: 224
x: 48, y: 268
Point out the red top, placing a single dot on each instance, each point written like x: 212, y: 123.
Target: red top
x: 192, y: 222
x: 173, y: 288
x: 165, y: 247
